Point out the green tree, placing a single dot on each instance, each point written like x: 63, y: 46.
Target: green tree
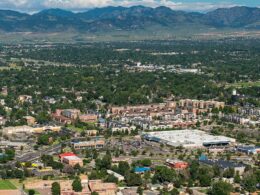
x: 205, y: 180
x: 249, y: 183
x: 133, y: 179
x: 163, y: 174
x: 140, y: 190
x: 10, y: 153
x: 146, y: 162
x: 123, y: 167
x: 229, y: 173
x: 221, y: 188
x: 18, y: 173
x: 55, y: 188
x: 205, y: 175
x: 43, y: 139
x: 237, y: 178
x: 104, y: 163
x: 76, y: 185
x: 174, y: 191
x: 194, y: 168
x: 31, y: 192
x: 112, y: 179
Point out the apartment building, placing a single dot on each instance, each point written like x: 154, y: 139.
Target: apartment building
x: 167, y: 108
x: 71, y: 113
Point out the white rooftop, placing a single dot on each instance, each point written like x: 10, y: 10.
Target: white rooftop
x: 72, y: 158
x: 189, y: 138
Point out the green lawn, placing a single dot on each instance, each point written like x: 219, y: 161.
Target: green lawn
x: 72, y: 127
x: 244, y: 84
x: 6, y: 185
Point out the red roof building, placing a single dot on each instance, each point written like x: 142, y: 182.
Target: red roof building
x: 177, y: 164
x: 66, y: 155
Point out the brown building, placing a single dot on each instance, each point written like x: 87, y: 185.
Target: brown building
x: 88, y: 118
x: 91, y: 132
x: 196, y: 106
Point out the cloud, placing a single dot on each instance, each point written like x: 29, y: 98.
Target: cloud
x: 196, y: 6
x: 35, y: 5
x: 77, y: 4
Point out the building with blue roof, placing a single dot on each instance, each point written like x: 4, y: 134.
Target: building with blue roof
x: 142, y: 169
x: 223, y: 164
x: 203, y: 157
x: 248, y: 149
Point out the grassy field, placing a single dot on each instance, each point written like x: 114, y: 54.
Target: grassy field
x: 6, y: 185
x: 72, y: 127
x: 155, y: 32
x: 244, y: 84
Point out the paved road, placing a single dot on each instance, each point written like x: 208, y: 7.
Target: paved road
x: 37, y: 154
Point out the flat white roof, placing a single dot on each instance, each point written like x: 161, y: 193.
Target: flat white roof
x: 72, y: 158
x: 188, y: 138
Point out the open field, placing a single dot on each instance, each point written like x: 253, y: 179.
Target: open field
x: 184, y: 32
x: 6, y: 185
x: 244, y: 84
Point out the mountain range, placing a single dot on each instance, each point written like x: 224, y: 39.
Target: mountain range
x: 123, y: 18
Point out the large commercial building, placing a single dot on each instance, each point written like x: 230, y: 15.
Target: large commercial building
x: 188, y: 138
x: 22, y: 132
x: 9, y: 131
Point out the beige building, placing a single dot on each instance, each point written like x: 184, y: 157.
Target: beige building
x: 72, y: 160
x: 41, y: 129
x: 89, y: 144
x: 30, y: 120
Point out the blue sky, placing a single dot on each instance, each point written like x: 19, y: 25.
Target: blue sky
x: 77, y: 5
